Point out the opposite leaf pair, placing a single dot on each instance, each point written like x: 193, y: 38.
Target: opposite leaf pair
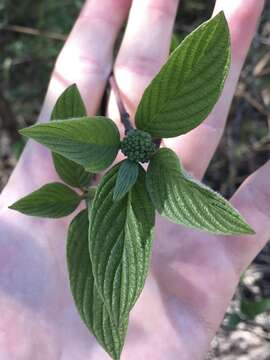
x: 177, y: 100
x: 109, y: 243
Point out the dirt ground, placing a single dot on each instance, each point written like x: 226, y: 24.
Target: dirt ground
x: 244, y: 147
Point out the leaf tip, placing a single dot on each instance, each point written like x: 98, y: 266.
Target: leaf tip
x: 250, y: 231
x: 29, y: 131
x: 221, y: 13
x: 74, y: 85
x: 15, y: 206
x: 71, y: 87
x: 246, y: 229
x: 23, y: 131
x: 12, y: 206
x: 221, y: 16
x: 223, y: 19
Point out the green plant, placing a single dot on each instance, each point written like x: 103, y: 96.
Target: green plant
x: 109, y: 243
x: 248, y: 311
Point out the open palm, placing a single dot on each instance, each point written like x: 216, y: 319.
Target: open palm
x: 193, y: 274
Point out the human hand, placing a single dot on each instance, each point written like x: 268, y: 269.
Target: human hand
x: 193, y: 274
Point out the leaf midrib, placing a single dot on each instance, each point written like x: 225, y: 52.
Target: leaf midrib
x: 188, y: 78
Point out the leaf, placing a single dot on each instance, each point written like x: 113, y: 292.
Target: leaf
x: 17, y: 147
x: 85, y: 294
x: 120, y: 243
x: 253, y: 308
x: 174, y: 42
x: 70, y: 105
x: 188, y: 86
x: 53, y: 200
x: 233, y: 320
x: 71, y: 173
x: 184, y: 200
x: 92, y: 142
x: 126, y: 178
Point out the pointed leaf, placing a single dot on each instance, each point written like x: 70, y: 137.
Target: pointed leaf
x: 70, y: 105
x: 189, y: 84
x: 53, y: 200
x: 91, y: 142
x: 71, y: 173
x: 185, y: 201
x: 86, y: 297
x: 126, y: 178
x: 120, y: 243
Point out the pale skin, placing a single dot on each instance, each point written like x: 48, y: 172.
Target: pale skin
x: 193, y: 275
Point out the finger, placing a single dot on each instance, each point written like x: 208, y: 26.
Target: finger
x: 144, y: 49
x: 253, y: 201
x: 197, y: 147
x: 86, y: 58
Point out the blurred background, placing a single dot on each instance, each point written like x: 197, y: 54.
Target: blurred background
x: 31, y: 35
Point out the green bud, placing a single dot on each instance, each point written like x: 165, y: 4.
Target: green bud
x: 138, y: 146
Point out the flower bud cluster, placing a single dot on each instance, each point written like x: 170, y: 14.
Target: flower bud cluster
x: 138, y: 146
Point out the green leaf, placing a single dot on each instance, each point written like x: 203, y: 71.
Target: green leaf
x: 188, y: 86
x: 17, y: 147
x: 70, y: 105
x: 184, y: 200
x: 92, y: 142
x: 87, y: 299
x: 71, y: 173
x: 126, y: 178
x: 233, y: 320
x: 53, y: 200
x: 253, y: 308
x: 120, y: 243
x: 174, y: 42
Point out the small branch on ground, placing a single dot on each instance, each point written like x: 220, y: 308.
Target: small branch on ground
x: 35, y: 32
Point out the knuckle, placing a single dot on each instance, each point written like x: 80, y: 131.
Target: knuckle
x: 243, y: 25
x: 164, y: 9
x: 142, y: 65
x: 260, y: 191
x: 102, y: 17
x: 72, y: 65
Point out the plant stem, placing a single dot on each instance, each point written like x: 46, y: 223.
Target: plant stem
x: 124, y: 115
x: 35, y: 32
